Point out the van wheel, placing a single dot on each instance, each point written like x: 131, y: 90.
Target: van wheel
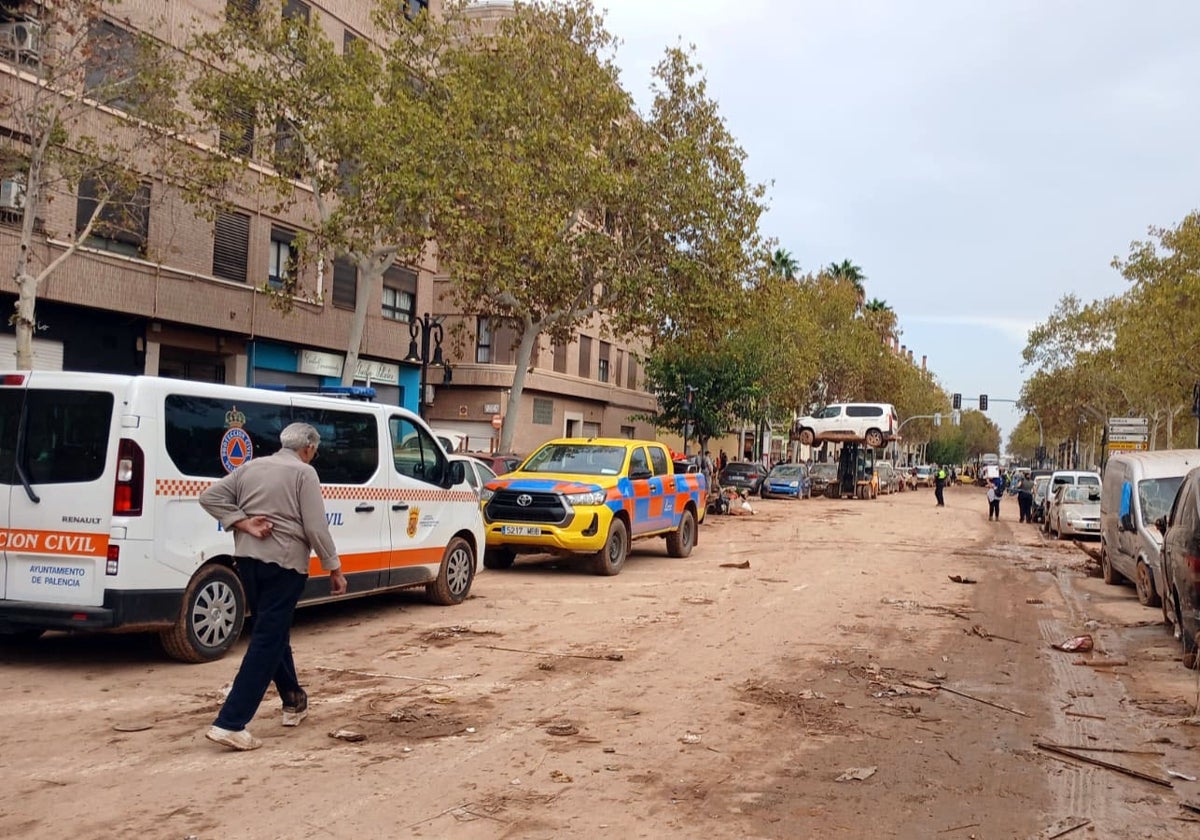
x: 874, y: 438
x: 211, y: 618
x: 681, y: 541
x: 806, y: 437
x: 1111, y: 576
x: 609, y: 560
x: 1147, y: 597
x: 498, y: 558
x: 1191, y: 655
x: 21, y: 635
x: 453, y: 582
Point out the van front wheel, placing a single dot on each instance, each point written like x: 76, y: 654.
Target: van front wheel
x: 453, y: 582
x: 211, y: 618
x: 1144, y: 582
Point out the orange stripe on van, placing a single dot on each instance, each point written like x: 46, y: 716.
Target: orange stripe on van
x: 65, y: 543
x: 373, y: 561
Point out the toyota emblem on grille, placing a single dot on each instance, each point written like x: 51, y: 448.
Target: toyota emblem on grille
x: 524, y: 500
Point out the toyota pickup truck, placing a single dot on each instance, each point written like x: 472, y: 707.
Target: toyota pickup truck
x: 592, y: 496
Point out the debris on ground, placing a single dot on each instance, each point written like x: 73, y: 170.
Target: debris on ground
x: 1079, y: 643
x: 347, y: 735
x: 562, y: 729
x: 690, y: 738
x: 745, y: 564
x: 857, y: 774
x: 962, y: 579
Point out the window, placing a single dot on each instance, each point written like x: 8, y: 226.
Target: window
x: 231, y: 244
x: 483, y: 341
x: 628, y: 432
x: 560, y: 357
x: 412, y: 8
x: 282, y: 258
x: 658, y: 458
x: 110, y: 69
x: 235, y: 9
x: 345, y: 283
x: 399, y: 294
x: 122, y: 225
x: 864, y: 411
x: 349, y: 451
x: 295, y: 10
x: 414, y: 451
x: 605, y: 348
x: 616, y: 373
x: 237, y: 130
x: 638, y: 462
x: 289, y: 156
x: 585, y: 356
x: 196, y: 428
x: 543, y: 411
x: 67, y: 440
x: 631, y: 384
x: 348, y: 40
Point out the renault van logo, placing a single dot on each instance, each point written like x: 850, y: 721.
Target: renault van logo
x: 524, y: 500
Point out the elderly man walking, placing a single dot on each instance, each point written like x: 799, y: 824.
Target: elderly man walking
x: 274, y: 507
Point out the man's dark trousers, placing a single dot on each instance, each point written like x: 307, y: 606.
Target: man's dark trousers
x: 1025, y: 503
x: 271, y: 595
x: 937, y: 491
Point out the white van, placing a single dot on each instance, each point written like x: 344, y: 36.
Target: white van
x: 871, y: 423
x: 101, y: 527
x: 1139, y: 487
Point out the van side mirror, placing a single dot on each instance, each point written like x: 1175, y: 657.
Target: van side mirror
x: 456, y: 473
x: 1161, y: 525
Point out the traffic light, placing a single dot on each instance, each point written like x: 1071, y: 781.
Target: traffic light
x: 983, y: 402
x: 956, y: 401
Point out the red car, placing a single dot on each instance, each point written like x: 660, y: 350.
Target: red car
x: 499, y: 463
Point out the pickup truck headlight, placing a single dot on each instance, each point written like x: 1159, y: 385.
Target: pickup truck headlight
x: 485, y: 495
x: 592, y: 497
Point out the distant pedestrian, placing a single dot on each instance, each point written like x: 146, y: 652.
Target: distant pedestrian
x: 275, y: 508
x: 723, y: 460
x: 706, y: 465
x: 1025, y: 497
x: 993, y: 498
x: 939, y: 484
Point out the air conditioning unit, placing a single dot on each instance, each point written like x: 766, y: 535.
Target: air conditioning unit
x: 20, y: 39
x: 12, y: 195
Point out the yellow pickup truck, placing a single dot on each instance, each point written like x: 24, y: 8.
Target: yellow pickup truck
x: 592, y: 496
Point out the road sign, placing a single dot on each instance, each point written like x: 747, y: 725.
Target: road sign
x: 1128, y: 446
x: 1127, y: 437
x: 1115, y: 423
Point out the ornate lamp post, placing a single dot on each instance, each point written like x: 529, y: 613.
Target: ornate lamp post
x: 426, y: 330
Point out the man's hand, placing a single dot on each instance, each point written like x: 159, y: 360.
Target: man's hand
x: 255, y: 526
x: 337, y: 583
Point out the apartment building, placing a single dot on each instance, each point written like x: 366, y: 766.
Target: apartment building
x: 185, y: 295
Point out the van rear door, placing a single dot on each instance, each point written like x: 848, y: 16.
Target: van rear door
x: 59, y: 471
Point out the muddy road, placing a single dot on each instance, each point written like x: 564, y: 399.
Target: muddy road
x: 810, y: 671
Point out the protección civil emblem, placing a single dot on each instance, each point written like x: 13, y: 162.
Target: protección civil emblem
x: 236, y: 446
x: 414, y: 514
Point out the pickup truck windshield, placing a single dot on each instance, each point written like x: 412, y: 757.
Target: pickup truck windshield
x: 577, y: 459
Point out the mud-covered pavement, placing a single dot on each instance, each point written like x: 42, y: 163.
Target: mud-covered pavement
x: 682, y: 698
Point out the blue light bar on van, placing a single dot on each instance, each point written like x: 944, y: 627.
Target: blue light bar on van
x: 354, y: 392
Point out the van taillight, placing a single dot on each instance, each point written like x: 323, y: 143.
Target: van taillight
x: 131, y: 472
x: 14, y: 379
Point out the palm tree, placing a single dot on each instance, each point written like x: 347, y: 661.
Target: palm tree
x: 881, y: 317
x: 851, y: 273
x: 783, y: 264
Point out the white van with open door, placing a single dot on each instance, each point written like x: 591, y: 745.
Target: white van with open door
x: 101, y: 526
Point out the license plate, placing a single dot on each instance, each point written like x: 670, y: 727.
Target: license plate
x: 520, y: 530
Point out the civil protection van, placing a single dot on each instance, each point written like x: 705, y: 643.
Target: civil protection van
x: 101, y: 526
x: 1138, y: 488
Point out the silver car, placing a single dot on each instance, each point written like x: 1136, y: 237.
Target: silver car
x: 1074, y: 510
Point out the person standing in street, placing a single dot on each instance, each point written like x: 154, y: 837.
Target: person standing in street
x: 275, y: 509
x: 1025, y: 497
x: 995, y: 492
x: 939, y: 484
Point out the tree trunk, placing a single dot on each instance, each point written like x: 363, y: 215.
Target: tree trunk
x: 369, y: 273
x: 529, y: 336
x: 25, y: 315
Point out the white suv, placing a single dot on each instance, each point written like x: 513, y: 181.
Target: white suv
x: 871, y: 423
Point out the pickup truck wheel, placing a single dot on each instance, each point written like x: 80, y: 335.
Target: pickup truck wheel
x: 498, y: 558
x: 453, y: 582
x: 211, y: 618
x: 874, y: 438
x: 1147, y: 597
x: 609, y: 560
x: 681, y: 541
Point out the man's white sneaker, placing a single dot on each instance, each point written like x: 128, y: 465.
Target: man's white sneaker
x: 234, y: 739
x: 296, y: 711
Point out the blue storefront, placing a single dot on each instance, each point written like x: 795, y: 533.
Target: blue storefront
x: 280, y: 364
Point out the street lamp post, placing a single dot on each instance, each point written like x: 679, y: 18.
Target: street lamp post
x: 425, y: 330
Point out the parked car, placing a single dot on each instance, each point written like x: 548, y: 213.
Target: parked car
x: 887, y: 477
x: 821, y: 475
x: 1074, y: 510
x: 477, y: 473
x: 1181, y: 565
x: 744, y: 475
x: 871, y: 423
x: 787, y: 480
x: 1138, y: 488
x: 1041, y: 487
x: 1074, y: 477
x: 923, y: 477
x: 499, y: 464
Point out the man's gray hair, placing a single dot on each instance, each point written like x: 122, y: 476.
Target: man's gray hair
x: 296, y: 436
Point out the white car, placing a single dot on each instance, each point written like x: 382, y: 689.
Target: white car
x: 871, y: 423
x: 1074, y: 510
x: 476, y: 473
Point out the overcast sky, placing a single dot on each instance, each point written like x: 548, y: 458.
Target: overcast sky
x: 978, y: 159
